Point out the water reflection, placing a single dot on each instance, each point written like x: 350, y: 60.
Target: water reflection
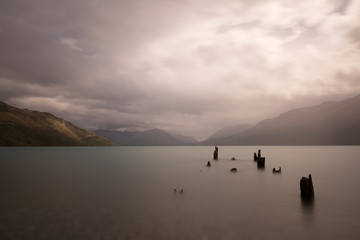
x: 307, y: 204
x: 261, y: 168
x: 308, y: 208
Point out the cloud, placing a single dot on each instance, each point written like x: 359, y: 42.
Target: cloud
x: 71, y: 43
x: 351, y: 78
x: 187, y: 66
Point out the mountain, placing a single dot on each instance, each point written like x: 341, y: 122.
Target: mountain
x: 153, y: 137
x: 330, y: 123
x: 185, y: 139
x: 22, y: 127
x: 119, y: 137
x: 229, y: 131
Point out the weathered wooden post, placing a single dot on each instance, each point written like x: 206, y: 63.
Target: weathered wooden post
x: 307, y: 188
x: 216, y: 153
x: 261, y: 162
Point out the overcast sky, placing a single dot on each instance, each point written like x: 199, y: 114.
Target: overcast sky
x: 188, y: 66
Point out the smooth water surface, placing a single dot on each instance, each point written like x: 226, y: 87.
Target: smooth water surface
x: 128, y: 193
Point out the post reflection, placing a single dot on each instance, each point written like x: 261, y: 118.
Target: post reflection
x: 308, y: 209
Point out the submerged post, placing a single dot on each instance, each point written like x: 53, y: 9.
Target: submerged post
x: 259, y: 159
x: 307, y: 188
x: 216, y: 153
x: 261, y: 162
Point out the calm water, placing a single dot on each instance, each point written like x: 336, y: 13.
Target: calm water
x: 127, y: 193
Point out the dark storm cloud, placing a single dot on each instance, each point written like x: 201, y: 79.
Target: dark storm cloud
x: 342, y: 6
x: 27, y: 55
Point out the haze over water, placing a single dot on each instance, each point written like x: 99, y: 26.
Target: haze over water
x: 128, y: 193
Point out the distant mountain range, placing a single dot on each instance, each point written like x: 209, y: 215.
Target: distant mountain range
x: 22, y: 127
x: 330, y: 123
x: 153, y: 137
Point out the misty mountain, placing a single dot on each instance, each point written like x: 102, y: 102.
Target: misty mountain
x: 153, y: 137
x: 118, y: 137
x: 229, y: 131
x: 330, y: 123
x: 22, y: 127
x: 185, y: 139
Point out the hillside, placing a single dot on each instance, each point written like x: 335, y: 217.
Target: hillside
x: 22, y: 127
x: 228, y: 131
x: 330, y: 123
x: 153, y: 137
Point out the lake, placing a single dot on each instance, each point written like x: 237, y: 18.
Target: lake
x: 128, y: 193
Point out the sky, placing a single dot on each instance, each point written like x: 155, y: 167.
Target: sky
x: 184, y: 66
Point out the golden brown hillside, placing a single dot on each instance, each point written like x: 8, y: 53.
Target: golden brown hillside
x: 22, y: 127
